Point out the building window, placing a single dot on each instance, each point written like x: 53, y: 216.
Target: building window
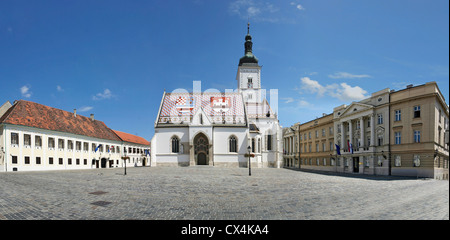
x: 380, y: 118
x: 60, y: 161
x: 86, y: 146
x: 14, y: 160
x: 61, y: 143
x: 398, y: 137
x: 232, y: 144
x: 38, y: 160
x: 398, y: 115
x: 14, y: 138
x: 51, y: 142
x: 93, y: 147
x: 38, y: 141
x: 269, y: 142
x: 78, y: 145
x: 175, y: 145
x: 253, y: 145
x: 85, y: 161
x: 317, y: 147
x: 380, y: 140
x: 70, y: 144
x: 27, y: 160
x: 250, y: 82
x: 417, y: 111
x: 416, y: 136
x: 27, y: 140
x: 78, y: 161
x: 50, y: 160
x: 69, y: 161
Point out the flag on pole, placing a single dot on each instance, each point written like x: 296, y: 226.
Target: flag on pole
x: 338, y: 149
x: 97, y: 147
x: 350, y: 146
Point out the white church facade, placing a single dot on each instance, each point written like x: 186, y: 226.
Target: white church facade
x: 219, y: 129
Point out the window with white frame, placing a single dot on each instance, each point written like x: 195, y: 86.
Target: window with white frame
x: 380, y: 118
x: 37, y: 141
x: 398, y: 137
x: 27, y: 140
x: 398, y: 115
x: 14, y: 138
x: 51, y: 143
x: 416, y: 136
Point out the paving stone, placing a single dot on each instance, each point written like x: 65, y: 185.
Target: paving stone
x: 165, y: 193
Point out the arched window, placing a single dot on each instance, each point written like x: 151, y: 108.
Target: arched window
x: 253, y: 145
x: 175, y: 144
x: 233, y: 144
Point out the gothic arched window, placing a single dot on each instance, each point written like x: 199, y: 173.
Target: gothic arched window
x: 233, y: 144
x: 175, y: 144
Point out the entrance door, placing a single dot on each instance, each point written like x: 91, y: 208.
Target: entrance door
x: 201, y: 149
x: 103, y: 165
x: 356, y: 164
x: 201, y: 159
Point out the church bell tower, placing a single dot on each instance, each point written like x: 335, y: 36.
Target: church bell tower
x: 249, y: 73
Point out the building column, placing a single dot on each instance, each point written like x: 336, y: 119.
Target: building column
x: 342, y: 135
x: 350, y: 132
x: 372, y: 130
x: 361, y: 124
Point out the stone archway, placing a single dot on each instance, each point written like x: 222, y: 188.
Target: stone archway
x: 201, y: 149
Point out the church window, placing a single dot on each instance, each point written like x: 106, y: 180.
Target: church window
x: 175, y: 145
x: 250, y: 82
x: 233, y: 144
x: 269, y: 142
x: 253, y: 145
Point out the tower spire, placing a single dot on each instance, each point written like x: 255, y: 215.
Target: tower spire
x: 248, y: 45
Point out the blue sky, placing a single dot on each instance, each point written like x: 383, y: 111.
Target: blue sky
x: 115, y: 58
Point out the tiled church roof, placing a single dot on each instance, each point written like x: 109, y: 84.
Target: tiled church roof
x: 36, y: 115
x: 220, y: 107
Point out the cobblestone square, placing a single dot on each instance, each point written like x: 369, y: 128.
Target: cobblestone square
x: 212, y: 193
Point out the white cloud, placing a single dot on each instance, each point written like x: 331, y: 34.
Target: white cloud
x: 348, y: 75
x: 59, y: 89
x: 348, y: 93
x: 25, y: 90
x: 298, y: 6
x: 85, y: 109
x: 313, y: 86
x: 107, y: 94
x: 288, y: 100
x: 341, y: 91
x: 255, y: 10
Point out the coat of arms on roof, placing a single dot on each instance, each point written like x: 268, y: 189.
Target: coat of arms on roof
x: 220, y: 104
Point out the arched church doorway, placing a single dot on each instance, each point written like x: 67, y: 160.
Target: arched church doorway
x: 201, y: 149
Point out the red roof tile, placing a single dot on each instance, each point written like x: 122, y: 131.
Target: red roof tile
x: 36, y: 115
x: 126, y: 137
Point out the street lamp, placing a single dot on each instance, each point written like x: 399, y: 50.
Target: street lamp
x: 249, y: 163
x: 125, y: 160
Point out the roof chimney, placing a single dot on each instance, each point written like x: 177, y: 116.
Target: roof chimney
x: 75, y: 112
x: 92, y: 117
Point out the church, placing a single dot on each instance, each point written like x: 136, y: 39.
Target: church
x: 220, y: 128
